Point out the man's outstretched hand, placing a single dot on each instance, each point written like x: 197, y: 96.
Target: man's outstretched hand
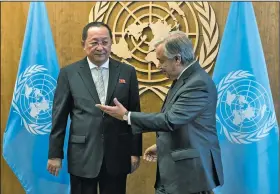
x: 117, y: 111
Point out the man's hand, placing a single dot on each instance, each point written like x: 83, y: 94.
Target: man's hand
x: 135, y: 163
x: 54, y: 165
x: 117, y: 111
x: 150, y: 154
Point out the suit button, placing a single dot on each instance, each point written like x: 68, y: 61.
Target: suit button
x: 102, y: 136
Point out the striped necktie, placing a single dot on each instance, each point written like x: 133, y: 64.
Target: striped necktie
x: 100, y: 87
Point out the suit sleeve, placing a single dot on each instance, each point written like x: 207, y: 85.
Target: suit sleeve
x: 134, y: 105
x: 60, y: 112
x: 189, y: 105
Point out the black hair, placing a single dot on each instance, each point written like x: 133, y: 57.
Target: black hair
x: 95, y: 24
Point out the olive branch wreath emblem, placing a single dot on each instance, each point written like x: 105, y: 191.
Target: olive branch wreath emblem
x: 237, y: 137
x: 208, y: 50
x: 20, y: 83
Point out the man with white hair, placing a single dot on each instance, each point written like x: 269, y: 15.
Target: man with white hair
x: 187, y: 148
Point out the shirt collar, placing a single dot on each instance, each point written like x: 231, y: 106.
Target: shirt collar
x: 104, y: 65
x: 186, y: 69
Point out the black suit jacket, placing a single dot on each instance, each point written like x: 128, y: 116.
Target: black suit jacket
x: 93, y: 134
x: 189, y: 158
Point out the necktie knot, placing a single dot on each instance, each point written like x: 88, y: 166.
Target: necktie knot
x: 98, y: 68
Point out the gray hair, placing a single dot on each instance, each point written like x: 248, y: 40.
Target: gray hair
x: 177, y: 43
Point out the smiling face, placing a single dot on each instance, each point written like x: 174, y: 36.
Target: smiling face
x: 98, y: 45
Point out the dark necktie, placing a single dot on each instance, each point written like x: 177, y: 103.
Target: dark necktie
x: 173, y: 83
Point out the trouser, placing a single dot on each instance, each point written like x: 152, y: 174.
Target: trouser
x: 108, y: 184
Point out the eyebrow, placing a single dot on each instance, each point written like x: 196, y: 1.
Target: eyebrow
x: 105, y: 38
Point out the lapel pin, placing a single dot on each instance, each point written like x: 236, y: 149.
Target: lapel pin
x: 122, y: 81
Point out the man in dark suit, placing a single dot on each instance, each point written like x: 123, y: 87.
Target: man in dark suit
x: 101, y: 149
x: 187, y: 147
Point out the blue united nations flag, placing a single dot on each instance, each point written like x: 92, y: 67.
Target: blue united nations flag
x: 246, y: 121
x: 25, y: 145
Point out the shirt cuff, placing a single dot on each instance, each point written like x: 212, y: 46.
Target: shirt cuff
x: 128, y: 118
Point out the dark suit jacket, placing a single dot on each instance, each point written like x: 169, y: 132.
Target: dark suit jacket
x: 94, y: 135
x: 189, y: 158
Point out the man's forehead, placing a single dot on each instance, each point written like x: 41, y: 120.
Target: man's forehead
x: 98, y: 37
x: 98, y: 30
x: 159, y: 51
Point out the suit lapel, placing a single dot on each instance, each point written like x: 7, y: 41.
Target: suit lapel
x: 86, y: 76
x: 114, y: 72
x: 171, y: 93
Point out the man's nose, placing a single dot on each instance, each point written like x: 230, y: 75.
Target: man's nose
x: 99, y: 47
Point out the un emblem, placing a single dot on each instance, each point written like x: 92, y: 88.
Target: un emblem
x: 137, y: 26
x: 244, y: 108
x: 32, y: 100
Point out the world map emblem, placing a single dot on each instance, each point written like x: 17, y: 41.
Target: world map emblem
x: 137, y: 26
x: 244, y: 109
x: 32, y: 99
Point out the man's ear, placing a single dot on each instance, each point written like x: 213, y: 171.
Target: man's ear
x: 83, y: 43
x: 178, y: 59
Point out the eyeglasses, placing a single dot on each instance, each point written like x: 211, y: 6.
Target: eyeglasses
x: 103, y: 43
